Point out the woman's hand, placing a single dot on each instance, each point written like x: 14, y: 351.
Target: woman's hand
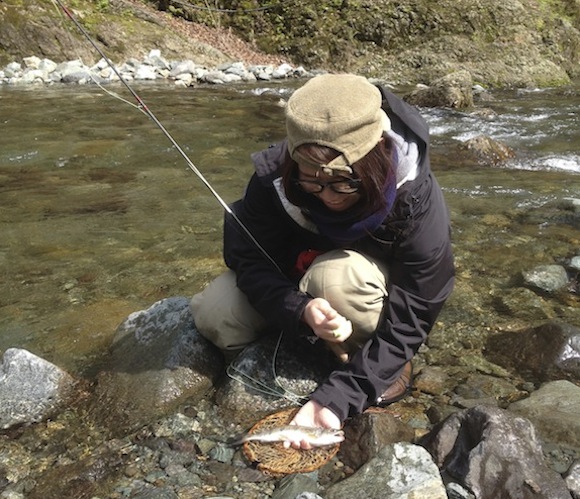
x: 326, y: 322
x: 314, y: 415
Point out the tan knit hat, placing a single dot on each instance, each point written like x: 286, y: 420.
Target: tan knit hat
x: 340, y: 111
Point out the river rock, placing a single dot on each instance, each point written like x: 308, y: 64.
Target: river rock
x: 453, y: 91
x: 300, y: 485
x: 572, y: 477
x: 456, y: 491
x: 270, y: 375
x: 481, y: 389
x: 398, y: 471
x: 366, y: 434
x: 146, y: 72
x: 494, y: 454
x: 182, y: 67
x: 573, y: 204
x: 522, y: 303
x: 547, y: 352
x: 31, y: 388
x: 158, y: 360
x: 554, y: 409
x: 548, y: 278
x: 488, y: 151
x: 562, y: 211
x: 152, y: 67
x: 432, y: 380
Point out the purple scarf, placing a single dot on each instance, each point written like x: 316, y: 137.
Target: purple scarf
x: 344, y: 228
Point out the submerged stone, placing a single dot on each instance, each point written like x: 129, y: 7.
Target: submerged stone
x: 550, y: 351
x: 547, y: 278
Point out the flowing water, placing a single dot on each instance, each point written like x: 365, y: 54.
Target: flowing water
x: 101, y: 217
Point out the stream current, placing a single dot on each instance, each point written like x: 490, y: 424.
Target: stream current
x: 101, y: 217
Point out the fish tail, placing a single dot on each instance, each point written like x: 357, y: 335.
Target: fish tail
x: 236, y: 440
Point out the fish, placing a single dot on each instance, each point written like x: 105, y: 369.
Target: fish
x: 315, y: 436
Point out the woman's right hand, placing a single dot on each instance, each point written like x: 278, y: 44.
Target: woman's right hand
x: 326, y: 322
x: 312, y: 414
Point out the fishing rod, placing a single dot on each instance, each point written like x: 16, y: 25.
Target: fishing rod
x: 145, y: 109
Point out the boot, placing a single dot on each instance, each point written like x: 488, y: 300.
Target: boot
x: 401, y: 387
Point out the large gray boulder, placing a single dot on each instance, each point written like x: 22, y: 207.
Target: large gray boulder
x: 398, y: 471
x: 158, y: 360
x: 494, y: 454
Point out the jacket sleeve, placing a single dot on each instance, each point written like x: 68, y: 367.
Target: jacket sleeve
x: 274, y: 295
x: 420, y: 280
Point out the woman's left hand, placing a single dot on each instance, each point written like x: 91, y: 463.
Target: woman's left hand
x: 326, y: 322
x: 314, y: 415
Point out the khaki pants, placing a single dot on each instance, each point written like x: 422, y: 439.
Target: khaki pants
x: 355, y: 286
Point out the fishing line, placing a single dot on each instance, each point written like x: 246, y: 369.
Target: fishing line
x: 287, y: 394
x: 115, y: 95
x: 240, y: 376
x: 143, y: 107
x: 231, y: 371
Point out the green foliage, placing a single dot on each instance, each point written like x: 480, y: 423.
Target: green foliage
x: 564, y: 8
x: 102, y: 5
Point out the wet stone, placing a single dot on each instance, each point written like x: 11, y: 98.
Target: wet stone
x: 554, y: 410
x: 367, y: 433
x: 572, y: 477
x: 470, y: 441
x: 432, y: 380
x: 158, y: 361
x: 547, y: 278
x: 222, y: 453
x: 172, y: 458
x: 550, y: 351
x: 131, y: 470
x: 31, y: 388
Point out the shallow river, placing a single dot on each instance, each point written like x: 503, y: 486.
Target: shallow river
x: 101, y: 217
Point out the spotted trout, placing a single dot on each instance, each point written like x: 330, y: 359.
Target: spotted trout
x: 316, y: 437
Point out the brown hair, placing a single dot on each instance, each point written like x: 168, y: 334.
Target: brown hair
x: 375, y: 170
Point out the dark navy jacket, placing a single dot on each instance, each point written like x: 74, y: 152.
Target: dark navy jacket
x: 414, y: 241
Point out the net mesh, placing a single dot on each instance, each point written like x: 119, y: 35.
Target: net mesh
x: 275, y: 459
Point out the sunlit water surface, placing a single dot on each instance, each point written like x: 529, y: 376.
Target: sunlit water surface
x: 101, y: 217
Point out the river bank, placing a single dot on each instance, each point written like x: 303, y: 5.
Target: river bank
x: 502, y: 44
x: 185, y: 73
